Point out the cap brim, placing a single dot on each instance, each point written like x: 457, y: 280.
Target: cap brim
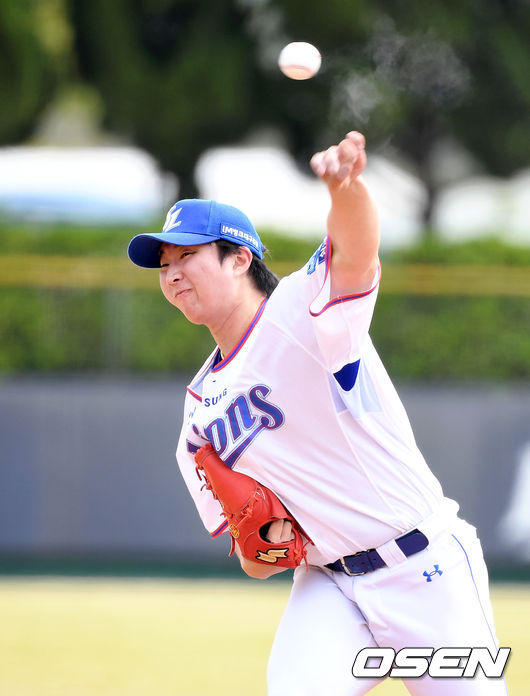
x: 143, y: 249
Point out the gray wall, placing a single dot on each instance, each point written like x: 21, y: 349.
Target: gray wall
x: 87, y: 465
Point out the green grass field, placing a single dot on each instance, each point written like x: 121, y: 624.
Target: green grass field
x: 172, y: 637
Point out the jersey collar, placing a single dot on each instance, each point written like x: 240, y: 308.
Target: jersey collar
x: 223, y: 363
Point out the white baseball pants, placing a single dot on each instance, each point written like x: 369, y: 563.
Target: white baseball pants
x: 330, y: 617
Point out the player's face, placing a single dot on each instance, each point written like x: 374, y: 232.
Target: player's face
x: 194, y: 280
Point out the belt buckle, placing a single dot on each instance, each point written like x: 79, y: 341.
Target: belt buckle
x: 347, y: 570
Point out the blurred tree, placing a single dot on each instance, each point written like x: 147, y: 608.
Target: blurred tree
x: 27, y: 72
x: 494, y: 120
x: 176, y: 76
x: 179, y: 76
x: 413, y: 77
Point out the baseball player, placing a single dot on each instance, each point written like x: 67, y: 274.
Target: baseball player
x: 295, y: 399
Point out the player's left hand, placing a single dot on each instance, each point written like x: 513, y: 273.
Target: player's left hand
x: 341, y: 164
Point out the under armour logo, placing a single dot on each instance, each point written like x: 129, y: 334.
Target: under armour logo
x: 272, y: 555
x: 171, y: 220
x: 436, y: 571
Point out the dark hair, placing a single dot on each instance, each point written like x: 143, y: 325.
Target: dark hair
x: 263, y: 278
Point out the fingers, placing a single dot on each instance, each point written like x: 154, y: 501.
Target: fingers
x: 357, y: 138
x: 280, y: 531
x: 342, y: 162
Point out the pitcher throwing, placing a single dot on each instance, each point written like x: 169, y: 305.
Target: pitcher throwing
x: 296, y: 399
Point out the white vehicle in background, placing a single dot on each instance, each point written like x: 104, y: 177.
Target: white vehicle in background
x: 83, y: 184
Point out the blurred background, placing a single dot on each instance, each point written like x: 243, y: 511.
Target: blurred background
x: 112, y: 110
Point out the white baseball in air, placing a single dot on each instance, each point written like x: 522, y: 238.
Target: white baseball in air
x: 299, y: 60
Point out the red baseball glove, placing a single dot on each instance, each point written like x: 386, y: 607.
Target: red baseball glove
x: 249, y: 508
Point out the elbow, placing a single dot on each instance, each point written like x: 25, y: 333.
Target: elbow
x: 255, y: 575
x: 253, y: 570
x: 258, y: 571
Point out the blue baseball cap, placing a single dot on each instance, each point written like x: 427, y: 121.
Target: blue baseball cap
x: 194, y: 221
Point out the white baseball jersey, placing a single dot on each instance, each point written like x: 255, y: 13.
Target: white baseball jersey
x: 304, y: 405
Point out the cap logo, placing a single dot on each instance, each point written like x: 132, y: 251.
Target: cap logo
x: 171, y: 220
x: 239, y: 234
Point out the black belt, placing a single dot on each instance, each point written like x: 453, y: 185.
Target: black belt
x: 367, y: 561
